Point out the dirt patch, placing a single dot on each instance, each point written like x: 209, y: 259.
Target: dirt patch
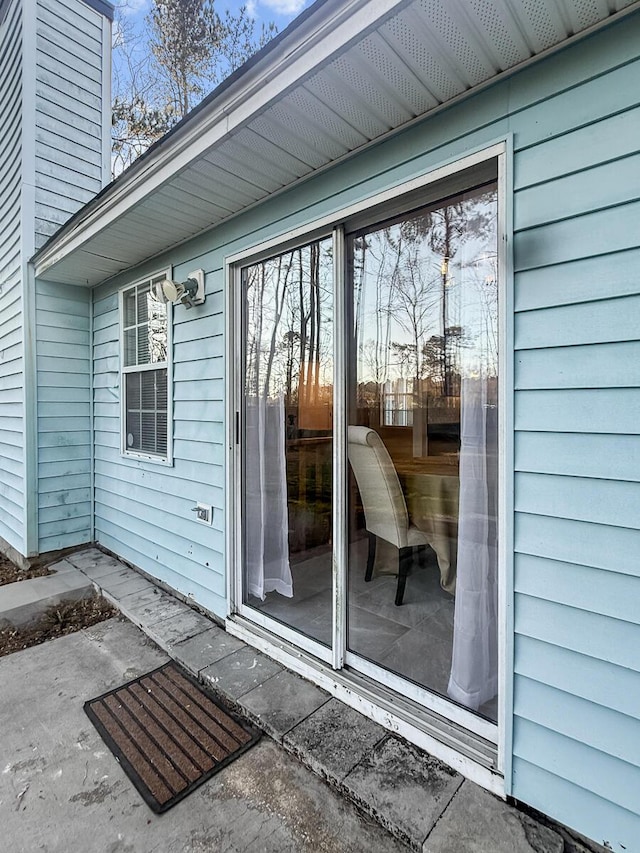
x: 58, y: 620
x: 12, y: 574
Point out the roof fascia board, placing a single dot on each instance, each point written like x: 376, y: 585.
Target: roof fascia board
x: 254, y: 91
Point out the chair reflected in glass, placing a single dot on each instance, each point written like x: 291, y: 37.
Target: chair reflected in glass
x: 383, y: 501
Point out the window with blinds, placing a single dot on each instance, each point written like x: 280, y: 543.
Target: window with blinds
x: 145, y: 369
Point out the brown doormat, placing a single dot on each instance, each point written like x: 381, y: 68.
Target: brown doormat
x: 168, y: 735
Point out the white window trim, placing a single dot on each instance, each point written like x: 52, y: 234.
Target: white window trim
x: 166, y: 460
x: 499, y: 150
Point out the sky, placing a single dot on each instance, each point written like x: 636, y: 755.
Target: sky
x: 281, y: 12
x: 130, y: 18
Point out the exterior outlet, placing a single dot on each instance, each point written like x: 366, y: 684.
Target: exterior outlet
x: 198, y: 275
x: 204, y: 513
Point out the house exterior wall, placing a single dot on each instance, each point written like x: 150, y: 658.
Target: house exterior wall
x: 54, y: 112
x: 573, y: 672
x: 71, y: 165
x: 64, y: 416
x: 143, y: 509
x: 11, y: 356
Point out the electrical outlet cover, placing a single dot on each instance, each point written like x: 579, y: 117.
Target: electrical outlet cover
x: 204, y: 513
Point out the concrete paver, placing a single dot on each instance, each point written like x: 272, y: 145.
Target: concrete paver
x: 148, y: 606
x: 149, y: 595
x: 281, y: 702
x: 87, y: 558
x: 21, y: 602
x: 117, y: 576
x: 62, y: 791
x: 95, y: 563
x: 239, y: 672
x: 477, y: 822
x: 405, y: 789
x: 334, y: 739
x: 180, y: 626
x: 204, y: 649
x: 127, y: 586
x: 62, y: 566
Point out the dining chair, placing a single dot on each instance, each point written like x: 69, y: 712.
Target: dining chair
x: 385, y: 509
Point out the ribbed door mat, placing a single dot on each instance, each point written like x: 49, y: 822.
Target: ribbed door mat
x: 168, y: 735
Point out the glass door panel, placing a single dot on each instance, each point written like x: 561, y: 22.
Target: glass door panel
x: 422, y: 447
x: 287, y: 448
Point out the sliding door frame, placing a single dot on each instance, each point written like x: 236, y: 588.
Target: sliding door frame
x: 248, y: 622
x: 236, y: 366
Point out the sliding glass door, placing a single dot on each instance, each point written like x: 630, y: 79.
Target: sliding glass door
x: 401, y: 585
x: 422, y: 447
x: 288, y: 446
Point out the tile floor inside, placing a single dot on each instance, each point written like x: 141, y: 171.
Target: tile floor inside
x: 413, y: 640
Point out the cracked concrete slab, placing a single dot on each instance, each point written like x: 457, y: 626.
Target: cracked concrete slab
x: 334, y: 739
x: 477, y: 822
x: 405, y: 789
x: 281, y: 702
x: 299, y: 812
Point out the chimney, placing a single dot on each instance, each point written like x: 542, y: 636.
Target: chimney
x: 55, y: 115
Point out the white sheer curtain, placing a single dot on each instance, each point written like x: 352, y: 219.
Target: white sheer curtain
x: 474, y: 669
x: 266, y: 519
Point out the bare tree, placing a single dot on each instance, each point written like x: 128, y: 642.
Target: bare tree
x: 163, y: 71
x: 448, y: 227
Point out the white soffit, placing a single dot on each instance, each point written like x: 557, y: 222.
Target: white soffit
x: 345, y: 75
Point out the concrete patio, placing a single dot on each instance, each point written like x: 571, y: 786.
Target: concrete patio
x: 61, y: 789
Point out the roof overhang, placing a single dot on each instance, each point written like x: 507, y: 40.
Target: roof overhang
x: 345, y: 74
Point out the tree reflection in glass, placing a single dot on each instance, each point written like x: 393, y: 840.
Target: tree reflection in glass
x: 424, y: 376
x: 288, y: 418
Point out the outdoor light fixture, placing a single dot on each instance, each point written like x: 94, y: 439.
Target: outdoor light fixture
x: 189, y: 292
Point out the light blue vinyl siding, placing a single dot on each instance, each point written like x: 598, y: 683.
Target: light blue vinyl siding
x: 143, y: 510
x: 51, y: 163
x: 64, y: 412
x: 576, y: 722
x: 575, y: 572
x: 11, y: 331
x: 69, y: 111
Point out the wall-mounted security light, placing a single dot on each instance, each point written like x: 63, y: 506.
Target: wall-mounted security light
x: 189, y: 292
